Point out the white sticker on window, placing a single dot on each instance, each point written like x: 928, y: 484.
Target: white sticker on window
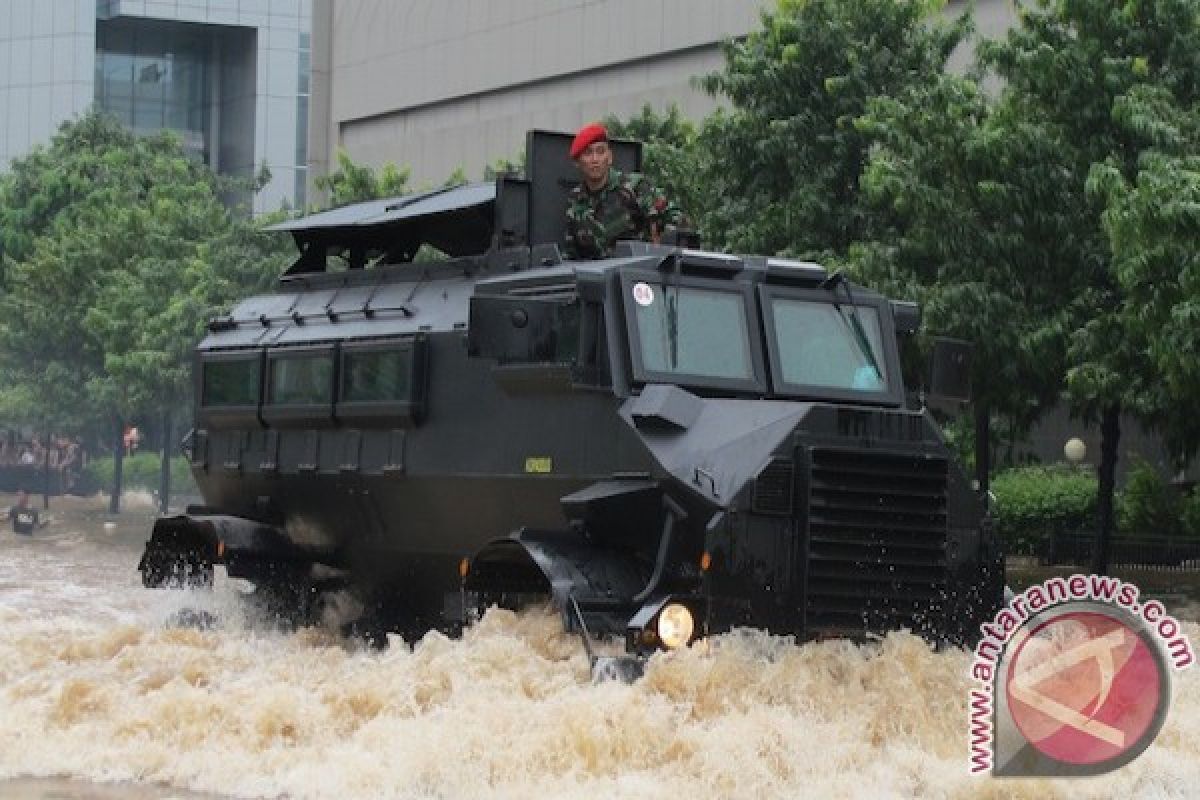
x: 643, y: 294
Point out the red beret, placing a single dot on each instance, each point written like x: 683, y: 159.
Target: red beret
x: 588, y: 134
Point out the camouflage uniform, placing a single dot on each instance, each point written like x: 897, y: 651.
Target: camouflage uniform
x: 628, y: 207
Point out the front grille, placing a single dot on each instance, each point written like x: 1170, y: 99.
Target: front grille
x: 773, y: 488
x: 876, y: 542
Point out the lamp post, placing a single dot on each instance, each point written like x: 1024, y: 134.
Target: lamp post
x: 1075, y: 450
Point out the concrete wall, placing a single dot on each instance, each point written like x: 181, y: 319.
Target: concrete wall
x: 435, y: 85
x: 47, y: 62
x: 236, y: 65
x: 320, y: 111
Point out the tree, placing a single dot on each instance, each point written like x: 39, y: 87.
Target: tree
x: 784, y: 163
x: 670, y: 157
x: 505, y: 166
x: 45, y: 345
x: 111, y: 291
x: 38, y: 187
x: 1152, y: 223
x: 978, y: 216
x: 1068, y: 67
x: 356, y: 183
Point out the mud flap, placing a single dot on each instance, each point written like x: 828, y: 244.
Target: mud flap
x: 563, y: 565
x: 247, y: 548
x: 179, y: 553
x: 975, y: 592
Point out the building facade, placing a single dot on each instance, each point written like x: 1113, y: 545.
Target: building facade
x: 436, y: 85
x: 231, y: 77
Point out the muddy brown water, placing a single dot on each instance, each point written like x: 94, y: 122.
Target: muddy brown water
x: 101, y: 699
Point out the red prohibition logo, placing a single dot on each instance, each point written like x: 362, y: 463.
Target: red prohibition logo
x: 1086, y: 689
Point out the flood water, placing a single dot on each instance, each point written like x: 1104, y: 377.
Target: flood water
x: 101, y: 698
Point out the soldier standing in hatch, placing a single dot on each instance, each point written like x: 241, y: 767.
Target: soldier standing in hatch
x: 609, y: 205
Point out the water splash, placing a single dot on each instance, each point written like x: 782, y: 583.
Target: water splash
x: 99, y: 687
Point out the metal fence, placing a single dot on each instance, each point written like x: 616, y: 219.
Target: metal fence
x: 1147, y: 552
x: 35, y: 479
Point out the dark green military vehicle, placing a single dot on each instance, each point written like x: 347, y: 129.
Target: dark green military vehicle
x: 665, y: 443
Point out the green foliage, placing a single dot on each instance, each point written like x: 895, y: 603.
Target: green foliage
x: 959, y: 432
x: 974, y: 205
x: 1191, y: 513
x: 1149, y: 505
x: 457, y: 178
x: 357, y: 183
x: 1102, y: 81
x: 245, y: 258
x: 1152, y: 222
x: 40, y: 186
x: 505, y: 166
x: 1034, y: 503
x: 976, y: 220
x: 143, y: 471
x: 126, y: 251
x: 1095, y: 77
x: 670, y: 156
x: 784, y: 163
x: 107, y: 299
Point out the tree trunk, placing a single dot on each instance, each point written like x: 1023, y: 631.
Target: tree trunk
x: 46, y: 470
x: 1110, y: 436
x: 983, y: 446
x: 164, y: 475
x: 114, y: 502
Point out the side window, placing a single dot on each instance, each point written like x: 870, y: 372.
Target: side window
x: 300, y: 380
x: 299, y: 387
x: 231, y: 383
x: 377, y: 376
x: 382, y: 382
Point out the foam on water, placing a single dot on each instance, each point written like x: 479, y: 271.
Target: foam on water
x: 94, y: 685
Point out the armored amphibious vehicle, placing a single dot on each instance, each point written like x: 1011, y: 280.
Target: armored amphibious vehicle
x: 664, y: 443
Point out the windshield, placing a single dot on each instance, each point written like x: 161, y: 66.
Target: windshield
x: 817, y: 345
x: 693, y: 332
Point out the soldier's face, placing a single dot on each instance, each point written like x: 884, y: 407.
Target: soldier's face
x: 594, y: 163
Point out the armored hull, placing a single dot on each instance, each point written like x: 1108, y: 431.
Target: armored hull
x: 663, y: 443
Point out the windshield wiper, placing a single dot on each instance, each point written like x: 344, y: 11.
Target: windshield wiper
x: 860, y: 337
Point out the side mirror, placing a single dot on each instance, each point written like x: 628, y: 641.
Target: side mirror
x: 950, y: 370
x: 907, y: 317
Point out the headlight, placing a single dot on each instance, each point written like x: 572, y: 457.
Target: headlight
x: 675, y: 626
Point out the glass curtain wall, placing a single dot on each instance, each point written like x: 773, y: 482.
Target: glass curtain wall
x: 158, y: 77
x: 302, y: 93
